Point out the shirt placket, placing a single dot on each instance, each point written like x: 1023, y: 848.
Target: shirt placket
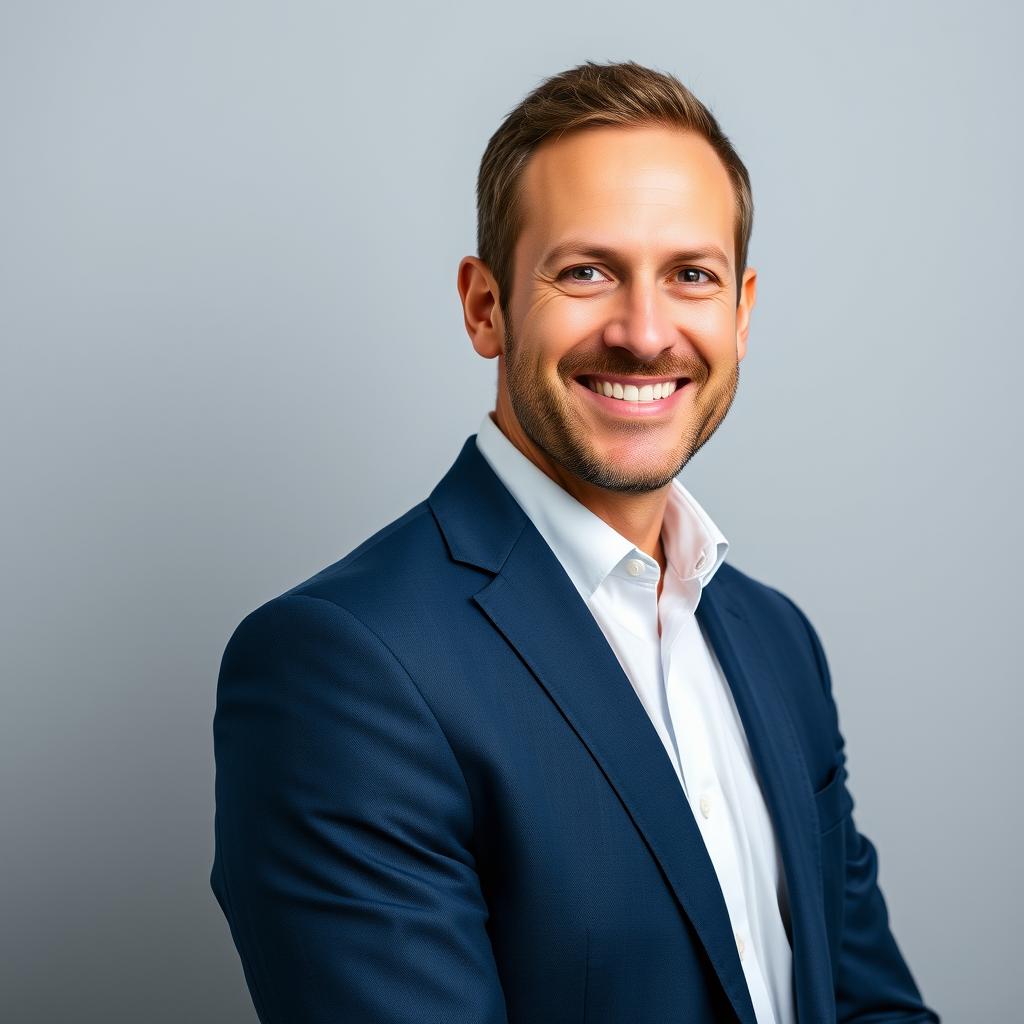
x: 702, y: 786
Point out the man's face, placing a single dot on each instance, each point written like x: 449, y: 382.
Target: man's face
x: 641, y: 290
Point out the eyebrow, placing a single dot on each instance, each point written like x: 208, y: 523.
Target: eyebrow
x: 582, y: 247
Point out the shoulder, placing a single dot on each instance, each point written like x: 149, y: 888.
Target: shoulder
x: 406, y: 548
x: 781, y: 623
x: 759, y: 599
x: 392, y: 585
x: 291, y: 653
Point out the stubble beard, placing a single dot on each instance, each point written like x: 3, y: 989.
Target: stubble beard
x: 546, y: 419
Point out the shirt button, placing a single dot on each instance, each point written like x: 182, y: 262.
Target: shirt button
x: 740, y: 945
x: 701, y: 561
x: 705, y: 807
x: 634, y: 567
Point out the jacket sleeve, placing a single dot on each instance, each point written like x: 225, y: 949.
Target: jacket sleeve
x: 343, y: 830
x: 872, y: 981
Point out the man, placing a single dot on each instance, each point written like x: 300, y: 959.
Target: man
x: 534, y: 752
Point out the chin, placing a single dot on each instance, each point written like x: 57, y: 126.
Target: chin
x: 628, y: 475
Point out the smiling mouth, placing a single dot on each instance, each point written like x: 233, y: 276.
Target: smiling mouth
x: 633, y: 389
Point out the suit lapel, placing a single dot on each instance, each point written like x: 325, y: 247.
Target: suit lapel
x: 532, y: 602
x: 535, y: 606
x: 786, y: 787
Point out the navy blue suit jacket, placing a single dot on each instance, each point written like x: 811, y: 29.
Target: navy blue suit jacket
x: 440, y: 800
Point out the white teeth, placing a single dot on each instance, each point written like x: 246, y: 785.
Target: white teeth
x: 631, y: 393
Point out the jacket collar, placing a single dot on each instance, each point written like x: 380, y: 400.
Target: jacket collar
x: 534, y: 605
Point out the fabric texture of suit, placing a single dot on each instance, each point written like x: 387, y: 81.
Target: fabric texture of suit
x: 440, y: 800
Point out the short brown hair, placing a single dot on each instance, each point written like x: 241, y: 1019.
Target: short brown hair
x: 587, y: 96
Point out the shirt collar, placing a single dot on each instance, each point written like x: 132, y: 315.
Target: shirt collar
x: 587, y: 547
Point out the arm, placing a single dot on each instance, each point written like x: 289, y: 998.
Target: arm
x: 873, y: 982
x: 343, y: 830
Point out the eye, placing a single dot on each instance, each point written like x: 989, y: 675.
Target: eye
x: 579, y: 280
x: 696, y: 270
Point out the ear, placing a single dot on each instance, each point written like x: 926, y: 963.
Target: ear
x: 481, y: 309
x: 748, y: 295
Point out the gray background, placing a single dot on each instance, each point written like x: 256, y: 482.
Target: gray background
x: 232, y: 348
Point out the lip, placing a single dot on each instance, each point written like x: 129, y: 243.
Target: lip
x: 624, y: 410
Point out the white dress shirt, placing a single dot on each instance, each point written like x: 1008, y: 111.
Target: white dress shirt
x: 680, y: 684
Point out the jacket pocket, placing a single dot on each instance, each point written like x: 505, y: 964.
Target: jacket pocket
x: 833, y: 805
x: 832, y: 801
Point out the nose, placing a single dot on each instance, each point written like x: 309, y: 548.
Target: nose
x: 644, y: 326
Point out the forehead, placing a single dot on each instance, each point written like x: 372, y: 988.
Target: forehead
x: 630, y: 186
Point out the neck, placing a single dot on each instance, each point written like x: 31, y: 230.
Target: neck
x: 637, y: 517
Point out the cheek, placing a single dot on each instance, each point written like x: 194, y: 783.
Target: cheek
x: 549, y: 349
x: 711, y: 324
x: 712, y: 334
x: 557, y: 322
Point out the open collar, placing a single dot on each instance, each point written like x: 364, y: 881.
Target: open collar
x: 587, y: 547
